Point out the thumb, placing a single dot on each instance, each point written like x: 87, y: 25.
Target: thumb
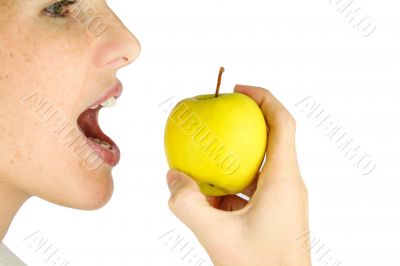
x: 189, y: 204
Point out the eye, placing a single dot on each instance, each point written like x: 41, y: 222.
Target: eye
x: 59, y: 9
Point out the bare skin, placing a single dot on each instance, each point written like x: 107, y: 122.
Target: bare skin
x: 262, y: 231
x: 71, y: 68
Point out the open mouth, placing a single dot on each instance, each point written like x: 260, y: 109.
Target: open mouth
x: 103, y: 145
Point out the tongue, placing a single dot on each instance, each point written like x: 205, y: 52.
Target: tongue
x: 88, y: 122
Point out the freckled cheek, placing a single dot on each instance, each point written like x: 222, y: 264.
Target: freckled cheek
x: 53, y: 65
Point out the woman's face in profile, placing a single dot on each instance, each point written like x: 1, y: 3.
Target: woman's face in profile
x: 53, y: 67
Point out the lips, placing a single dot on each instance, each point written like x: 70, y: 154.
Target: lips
x: 103, y: 145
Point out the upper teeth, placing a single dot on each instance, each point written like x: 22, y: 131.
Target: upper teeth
x: 110, y: 102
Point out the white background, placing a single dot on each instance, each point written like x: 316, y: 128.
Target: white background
x: 296, y: 49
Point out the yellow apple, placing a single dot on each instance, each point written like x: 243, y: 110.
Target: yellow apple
x: 219, y: 140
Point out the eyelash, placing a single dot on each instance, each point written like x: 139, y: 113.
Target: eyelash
x: 59, y: 9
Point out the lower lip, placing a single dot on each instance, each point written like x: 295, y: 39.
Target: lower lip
x: 110, y: 157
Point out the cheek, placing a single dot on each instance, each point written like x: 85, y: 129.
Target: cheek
x: 54, y: 64
x: 33, y: 62
x: 37, y: 162
x: 46, y: 58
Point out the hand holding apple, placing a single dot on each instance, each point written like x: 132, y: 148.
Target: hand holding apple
x: 218, y: 139
x: 270, y: 229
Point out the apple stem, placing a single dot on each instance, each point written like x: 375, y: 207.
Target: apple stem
x: 221, y: 70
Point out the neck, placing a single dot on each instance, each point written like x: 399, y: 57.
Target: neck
x: 11, y: 201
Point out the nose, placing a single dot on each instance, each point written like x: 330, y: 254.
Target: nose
x: 117, y: 46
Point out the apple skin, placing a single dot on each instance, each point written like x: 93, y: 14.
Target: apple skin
x: 219, y: 141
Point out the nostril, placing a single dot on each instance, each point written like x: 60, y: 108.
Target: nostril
x: 211, y: 185
x: 118, y: 61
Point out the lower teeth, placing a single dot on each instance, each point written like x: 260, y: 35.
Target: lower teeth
x: 102, y: 143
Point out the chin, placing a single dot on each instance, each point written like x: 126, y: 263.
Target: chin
x: 99, y: 194
x: 98, y: 201
x: 92, y: 193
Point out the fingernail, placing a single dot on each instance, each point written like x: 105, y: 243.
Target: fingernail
x: 173, y: 176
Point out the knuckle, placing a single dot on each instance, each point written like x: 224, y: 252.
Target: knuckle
x: 172, y: 202
x: 267, y: 93
x: 303, y: 191
x: 290, y: 121
x: 287, y: 121
x: 293, y: 190
x: 180, y: 198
